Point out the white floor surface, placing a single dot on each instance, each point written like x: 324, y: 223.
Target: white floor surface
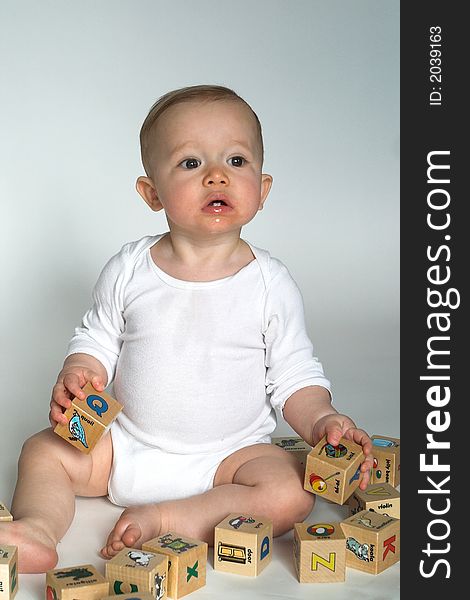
x: 95, y: 517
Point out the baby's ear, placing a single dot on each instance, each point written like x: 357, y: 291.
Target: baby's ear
x: 266, y: 183
x: 148, y: 191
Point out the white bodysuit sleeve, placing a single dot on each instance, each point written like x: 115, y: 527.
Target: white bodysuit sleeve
x: 290, y: 362
x: 100, y: 332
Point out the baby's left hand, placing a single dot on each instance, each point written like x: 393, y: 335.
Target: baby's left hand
x: 336, y: 426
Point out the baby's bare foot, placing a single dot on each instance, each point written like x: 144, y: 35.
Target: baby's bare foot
x: 135, y: 526
x: 36, y: 550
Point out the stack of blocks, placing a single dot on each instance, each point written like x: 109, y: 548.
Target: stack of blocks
x: 243, y: 545
x: 82, y: 581
x: 8, y: 571
x: 89, y: 419
x: 334, y: 471
x: 369, y: 540
x: 133, y: 570
x: 187, y: 560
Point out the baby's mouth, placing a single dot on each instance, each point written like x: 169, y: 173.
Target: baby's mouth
x: 217, y: 204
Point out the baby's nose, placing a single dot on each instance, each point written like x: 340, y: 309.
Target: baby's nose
x: 216, y: 175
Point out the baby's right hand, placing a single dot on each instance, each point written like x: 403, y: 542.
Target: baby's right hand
x: 69, y: 385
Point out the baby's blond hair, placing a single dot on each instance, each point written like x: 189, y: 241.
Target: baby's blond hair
x: 187, y: 94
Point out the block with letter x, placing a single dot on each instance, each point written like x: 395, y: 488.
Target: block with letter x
x: 187, y: 559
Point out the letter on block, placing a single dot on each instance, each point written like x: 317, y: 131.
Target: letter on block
x: 8, y: 572
x: 82, y: 582
x: 5, y: 514
x: 187, y: 559
x: 296, y: 445
x: 380, y: 497
x: 88, y: 419
x: 138, y: 571
x: 333, y: 472
x: 319, y: 552
x: 372, y: 541
x: 386, y: 451
x: 243, y: 544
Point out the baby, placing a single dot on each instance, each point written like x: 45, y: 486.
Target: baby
x: 203, y: 336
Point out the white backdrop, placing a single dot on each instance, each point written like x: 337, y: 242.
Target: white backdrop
x: 77, y: 80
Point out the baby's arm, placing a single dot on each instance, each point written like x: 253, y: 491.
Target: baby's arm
x: 309, y: 412
x: 94, y: 349
x: 78, y: 370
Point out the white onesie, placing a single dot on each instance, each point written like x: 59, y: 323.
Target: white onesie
x: 198, y: 366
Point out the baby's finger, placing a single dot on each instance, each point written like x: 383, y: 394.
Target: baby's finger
x: 365, y: 479
x: 95, y: 380
x: 368, y: 463
x: 360, y: 437
x: 73, y: 383
x: 56, y: 414
x: 366, y: 469
x: 333, y: 434
x: 61, y: 395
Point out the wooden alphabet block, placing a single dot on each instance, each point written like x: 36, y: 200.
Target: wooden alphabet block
x: 372, y: 541
x: 333, y: 472
x: 8, y: 572
x: 5, y: 514
x: 319, y: 552
x: 187, y: 559
x: 386, y: 451
x: 88, y: 419
x: 380, y: 497
x: 243, y: 544
x: 83, y: 582
x: 135, y: 570
x: 296, y: 445
x: 135, y: 596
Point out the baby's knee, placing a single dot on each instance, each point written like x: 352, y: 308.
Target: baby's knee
x: 38, y: 443
x: 46, y: 446
x: 292, y: 505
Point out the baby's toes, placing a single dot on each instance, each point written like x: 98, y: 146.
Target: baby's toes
x: 110, y: 549
x: 116, y: 547
x: 105, y: 553
x: 131, y: 536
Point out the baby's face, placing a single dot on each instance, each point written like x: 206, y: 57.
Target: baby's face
x: 206, y: 167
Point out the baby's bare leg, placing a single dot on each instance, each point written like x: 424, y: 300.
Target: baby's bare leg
x: 261, y: 480
x: 50, y: 474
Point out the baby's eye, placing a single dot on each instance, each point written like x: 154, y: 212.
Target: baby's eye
x: 190, y: 163
x: 237, y: 161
